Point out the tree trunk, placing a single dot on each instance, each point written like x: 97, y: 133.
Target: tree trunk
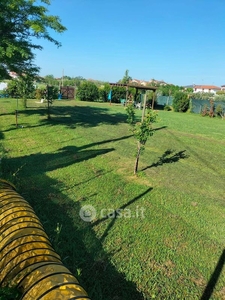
x: 137, y: 158
x: 48, y: 108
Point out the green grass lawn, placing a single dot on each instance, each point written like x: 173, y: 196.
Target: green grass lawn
x: 169, y: 242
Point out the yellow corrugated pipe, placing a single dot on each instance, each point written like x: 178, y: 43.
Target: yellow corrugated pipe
x: 27, y: 259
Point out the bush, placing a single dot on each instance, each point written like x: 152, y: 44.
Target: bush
x: 219, y: 111
x: 205, y: 110
x: 88, y: 91
x: 180, y: 102
x: 209, y: 111
x: 39, y: 94
x: 104, y: 92
x: 167, y: 108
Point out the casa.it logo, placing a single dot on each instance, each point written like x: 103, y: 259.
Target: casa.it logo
x: 87, y: 213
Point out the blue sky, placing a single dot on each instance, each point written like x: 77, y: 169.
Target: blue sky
x: 180, y: 42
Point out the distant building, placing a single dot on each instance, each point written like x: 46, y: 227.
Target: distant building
x: 206, y: 89
x: 13, y: 75
x: 150, y: 82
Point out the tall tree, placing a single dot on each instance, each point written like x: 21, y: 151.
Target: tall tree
x: 49, y: 79
x: 21, y: 21
x: 126, y: 78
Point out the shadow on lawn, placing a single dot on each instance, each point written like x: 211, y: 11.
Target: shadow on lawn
x: 70, y: 116
x: 79, y: 115
x: 159, y: 128
x: 116, y: 214
x: 214, y: 278
x: 1, y: 135
x: 168, y: 157
x: 76, y: 242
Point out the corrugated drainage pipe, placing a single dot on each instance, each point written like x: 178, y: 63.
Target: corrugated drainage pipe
x: 27, y: 259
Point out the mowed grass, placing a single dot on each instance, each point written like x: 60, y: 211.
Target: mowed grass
x: 167, y: 241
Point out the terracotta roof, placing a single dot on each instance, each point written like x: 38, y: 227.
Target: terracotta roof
x: 208, y: 87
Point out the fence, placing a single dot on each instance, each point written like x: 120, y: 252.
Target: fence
x: 197, y: 105
x: 67, y: 92
x: 164, y: 100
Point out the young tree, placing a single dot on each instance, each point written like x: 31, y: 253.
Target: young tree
x: 22, y: 87
x: 20, y: 22
x: 141, y: 130
x: 25, y: 86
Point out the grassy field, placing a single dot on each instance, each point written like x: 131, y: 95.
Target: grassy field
x: 167, y: 241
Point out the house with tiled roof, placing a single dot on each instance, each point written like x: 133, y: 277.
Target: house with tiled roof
x: 206, y: 89
x: 145, y: 83
x: 139, y: 82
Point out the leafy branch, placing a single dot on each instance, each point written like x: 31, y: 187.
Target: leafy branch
x: 141, y: 130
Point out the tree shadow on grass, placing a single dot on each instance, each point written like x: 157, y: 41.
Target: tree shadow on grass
x: 169, y: 156
x: 159, y: 128
x: 86, y: 116
x: 1, y: 135
x: 76, y: 242
x: 214, y: 278
x: 69, y: 116
x: 116, y: 214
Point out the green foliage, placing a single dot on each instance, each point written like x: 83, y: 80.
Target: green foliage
x: 142, y: 130
x: 118, y: 93
x: 78, y: 81
x: 208, y: 111
x: 20, y: 23
x: 212, y: 108
x: 88, y: 91
x: 21, y: 87
x: 131, y: 114
x: 201, y: 96
x: 219, y: 110
x: 39, y: 93
x: 12, y: 88
x: 180, y: 102
x: 221, y: 92
x: 205, y: 110
x: 104, y: 91
x: 126, y: 78
x: 167, y: 107
x: 50, y: 80
x: 169, y: 89
x: 220, y: 97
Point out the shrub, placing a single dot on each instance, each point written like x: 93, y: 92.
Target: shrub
x: 131, y: 114
x: 180, y: 102
x: 167, y: 107
x: 88, y: 91
x: 205, y: 110
x: 39, y: 94
x: 219, y: 111
x: 212, y: 108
